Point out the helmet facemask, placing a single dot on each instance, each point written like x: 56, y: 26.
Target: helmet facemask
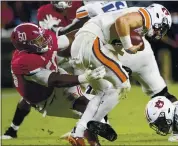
x: 41, y: 43
x: 161, y: 125
x: 160, y: 21
x: 160, y: 29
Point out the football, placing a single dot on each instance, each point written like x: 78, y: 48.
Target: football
x: 136, y: 39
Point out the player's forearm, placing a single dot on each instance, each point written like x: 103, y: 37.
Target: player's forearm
x: 62, y: 80
x: 64, y: 53
x: 48, y: 78
x: 123, y: 31
x: 125, y: 24
x: 76, y: 24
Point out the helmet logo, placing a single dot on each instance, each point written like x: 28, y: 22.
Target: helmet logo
x: 165, y: 11
x: 159, y: 104
x: 22, y: 36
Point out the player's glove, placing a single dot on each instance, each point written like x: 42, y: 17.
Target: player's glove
x: 51, y: 22
x: 90, y: 75
x: 74, y: 62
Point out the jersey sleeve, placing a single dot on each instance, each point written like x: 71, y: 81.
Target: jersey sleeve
x: 39, y: 76
x: 82, y: 12
x: 41, y: 15
x: 27, y: 64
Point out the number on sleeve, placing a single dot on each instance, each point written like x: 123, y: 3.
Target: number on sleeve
x: 114, y: 6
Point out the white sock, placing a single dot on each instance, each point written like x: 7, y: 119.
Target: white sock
x: 108, y: 102
x: 88, y: 115
x: 14, y: 127
x: 104, y: 121
x: 97, y: 108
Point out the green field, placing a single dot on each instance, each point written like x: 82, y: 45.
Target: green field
x: 127, y: 118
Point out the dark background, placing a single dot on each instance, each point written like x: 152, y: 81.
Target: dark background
x: 16, y: 12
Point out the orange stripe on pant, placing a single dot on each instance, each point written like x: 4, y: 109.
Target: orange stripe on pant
x: 108, y: 62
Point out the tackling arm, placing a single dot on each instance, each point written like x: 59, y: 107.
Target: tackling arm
x: 64, y: 43
x: 76, y: 24
x: 82, y: 16
x: 48, y: 78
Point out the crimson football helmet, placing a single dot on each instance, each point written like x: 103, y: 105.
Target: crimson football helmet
x: 31, y: 38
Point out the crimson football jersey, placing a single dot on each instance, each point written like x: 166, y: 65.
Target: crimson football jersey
x: 49, y: 9
x: 24, y: 64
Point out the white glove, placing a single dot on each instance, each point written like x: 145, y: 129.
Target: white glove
x: 90, y: 75
x: 51, y: 21
x: 74, y: 62
x: 173, y: 138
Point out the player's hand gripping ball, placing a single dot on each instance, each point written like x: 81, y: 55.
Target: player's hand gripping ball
x: 136, y: 39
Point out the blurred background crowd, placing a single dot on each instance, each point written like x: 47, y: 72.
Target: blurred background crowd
x: 16, y: 12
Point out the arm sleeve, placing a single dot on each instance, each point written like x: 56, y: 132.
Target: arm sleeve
x: 82, y: 12
x: 27, y: 64
x: 41, y: 14
x: 39, y: 76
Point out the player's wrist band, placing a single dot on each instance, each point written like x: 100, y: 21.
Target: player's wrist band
x: 126, y: 42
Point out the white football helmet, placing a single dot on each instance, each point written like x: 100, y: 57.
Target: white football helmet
x: 160, y: 113
x: 160, y: 20
x: 62, y: 5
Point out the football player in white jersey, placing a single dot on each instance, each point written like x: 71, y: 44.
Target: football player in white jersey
x: 162, y: 116
x: 92, y: 47
x: 145, y: 72
x: 89, y: 10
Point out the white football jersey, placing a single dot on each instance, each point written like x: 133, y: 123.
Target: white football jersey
x: 146, y: 71
x: 101, y: 25
x: 93, y: 9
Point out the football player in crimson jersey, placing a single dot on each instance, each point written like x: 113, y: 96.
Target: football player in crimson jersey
x: 58, y: 13
x: 38, y: 79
